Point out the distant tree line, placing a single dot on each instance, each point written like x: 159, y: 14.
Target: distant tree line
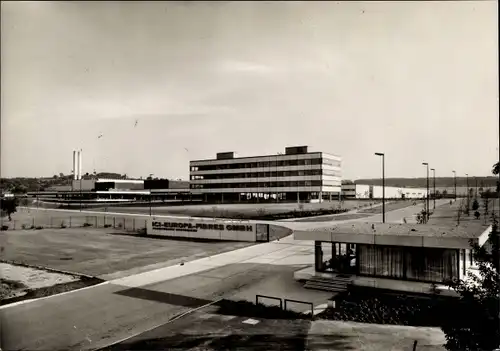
x: 22, y: 185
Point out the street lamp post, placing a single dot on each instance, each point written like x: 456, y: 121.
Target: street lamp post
x: 150, y: 204
x: 383, y: 184
x: 475, y: 178
x: 468, y: 193
x: 434, y: 186
x: 427, y: 200
x: 455, y: 183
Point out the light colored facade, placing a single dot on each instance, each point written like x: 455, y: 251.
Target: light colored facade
x: 297, y: 175
x: 362, y: 191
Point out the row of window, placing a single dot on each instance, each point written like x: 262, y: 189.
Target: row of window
x: 267, y: 164
x: 307, y: 172
x: 259, y: 185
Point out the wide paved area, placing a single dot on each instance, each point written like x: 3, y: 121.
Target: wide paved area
x: 100, y: 252
x: 205, y: 329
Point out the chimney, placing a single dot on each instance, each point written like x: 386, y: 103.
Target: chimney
x: 74, y: 164
x: 80, y: 164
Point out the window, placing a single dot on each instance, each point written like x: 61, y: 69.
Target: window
x: 422, y: 264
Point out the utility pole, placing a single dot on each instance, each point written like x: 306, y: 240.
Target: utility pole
x: 427, y: 211
x: 383, y: 184
x: 475, y: 178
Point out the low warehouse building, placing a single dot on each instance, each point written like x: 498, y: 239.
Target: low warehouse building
x: 362, y: 191
x: 403, y: 257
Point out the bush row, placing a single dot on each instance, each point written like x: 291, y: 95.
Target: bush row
x: 391, y: 309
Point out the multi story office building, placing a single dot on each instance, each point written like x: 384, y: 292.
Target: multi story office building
x: 297, y: 175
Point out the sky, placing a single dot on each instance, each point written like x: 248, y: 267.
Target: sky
x: 415, y: 80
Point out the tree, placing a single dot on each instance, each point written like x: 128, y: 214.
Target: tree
x: 496, y: 171
x: 9, y: 206
x: 475, y: 205
x: 445, y: 192
x: 474, y: 326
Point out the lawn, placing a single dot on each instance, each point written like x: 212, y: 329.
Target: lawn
x: 249, y: 211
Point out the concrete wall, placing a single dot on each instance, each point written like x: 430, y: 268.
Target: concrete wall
x: 182, y: 227
x: 401, y: 285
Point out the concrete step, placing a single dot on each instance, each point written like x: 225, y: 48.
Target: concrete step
x: 333, y: 283
x: 332, y: 279
x: 325, y: 287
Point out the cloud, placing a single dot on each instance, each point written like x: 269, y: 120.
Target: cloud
x: 245, y: 67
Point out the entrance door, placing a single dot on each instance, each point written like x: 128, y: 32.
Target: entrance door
x: 343, y: 258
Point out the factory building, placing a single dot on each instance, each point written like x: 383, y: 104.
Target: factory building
x: 297, y: 175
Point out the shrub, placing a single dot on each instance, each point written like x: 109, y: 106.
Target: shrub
x: 142, y: 231
x: 107, y: 225
x: 63, y: 225
x: 86, y: 224
x: 38, y: 227
x: 261, y: 212
x: 4, y: 227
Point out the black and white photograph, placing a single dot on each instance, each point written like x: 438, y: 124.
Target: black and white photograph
x: 249, y: 175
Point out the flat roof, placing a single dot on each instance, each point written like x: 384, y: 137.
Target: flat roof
x: 260, y: 156
x: 400, y: 234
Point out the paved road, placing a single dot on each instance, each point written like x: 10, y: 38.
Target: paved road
x: 97, y: 316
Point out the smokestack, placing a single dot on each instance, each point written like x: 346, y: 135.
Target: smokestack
x: 80, y: 163
x: 74, y: 165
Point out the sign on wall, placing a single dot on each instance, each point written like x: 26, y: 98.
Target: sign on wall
x: 217, y: 230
